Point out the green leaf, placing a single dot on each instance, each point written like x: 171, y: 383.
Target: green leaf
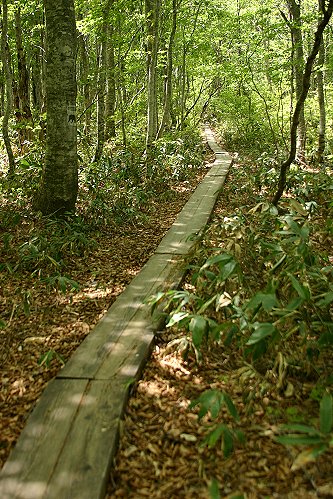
x: 301, y: 428
x: 301, y: 290
x: 326, y: 413
x: 222, y: 258
x: 227, y: 270
x: 176, y: 318
x: 214, y: 491
x: 231, y: 408
x: 209, y: 401
x: 228, y: 442
x: 327, y: 298
x: 299, y: 440
x: 267, y: 300
x: 198, y: 328
x: 262, y: 330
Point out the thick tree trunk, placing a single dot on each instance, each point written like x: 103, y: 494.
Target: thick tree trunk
x: 8, y: 86
x: 23, y: 113
x: 152, y: 11
x: 327, y: 14
x: 298, y: 65
x: 58, y: 191
x: 321, y: 103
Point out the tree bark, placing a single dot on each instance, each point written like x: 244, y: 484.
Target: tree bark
x: 298, y: 66
x: 168, y: 83
x: 321, y: 103
x: 8, y: 86
x: 101, y: 58
x: 327, y: 14
x: 152, y: 12
x: 110, y: 103
x: 23, y: 113
x: 58, y: 191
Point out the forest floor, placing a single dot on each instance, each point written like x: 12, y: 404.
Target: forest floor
x: 160, y: 453
x: 45, y: 326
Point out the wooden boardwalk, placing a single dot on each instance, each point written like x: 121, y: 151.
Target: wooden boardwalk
x: 68, y: 445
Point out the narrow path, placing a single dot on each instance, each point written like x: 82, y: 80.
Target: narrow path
x: 67, y: 447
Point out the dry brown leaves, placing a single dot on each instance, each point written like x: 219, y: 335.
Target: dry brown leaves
x: 60, y: 322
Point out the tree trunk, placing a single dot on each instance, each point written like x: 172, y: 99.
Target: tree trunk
x: 8, y: 86
x: 110, y: 103
x: 101, y: 58
x: 321, y: 103
x: 327, y: 14
x: 23, y: 113
x: 58, y: 191
x: 168, y: 83
x: 152, y: 8
x: 298, y: 65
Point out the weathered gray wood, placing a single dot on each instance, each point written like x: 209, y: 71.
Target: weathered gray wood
x: 161, y: 271
x: 82, y: 470
x: 67, y: 447
x: 32, y: 462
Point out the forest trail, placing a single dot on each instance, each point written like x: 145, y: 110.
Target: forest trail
x: 71, y: 437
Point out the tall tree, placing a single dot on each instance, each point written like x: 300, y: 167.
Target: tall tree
x: 325, y: 18
x: 58, y: 191
x: 8, y: 86
x: 152, y: 12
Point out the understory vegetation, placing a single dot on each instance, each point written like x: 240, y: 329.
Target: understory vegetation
x: 260, y: 289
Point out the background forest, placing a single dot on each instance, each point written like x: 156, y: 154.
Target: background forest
x: 102, y: 105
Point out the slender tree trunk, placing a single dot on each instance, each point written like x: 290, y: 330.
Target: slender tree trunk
x: 58, y: 191
x: 152, y: 9
x: 298, y: 65
x: 110, y: 104
x: 23, y: 113
x: 101, y: 58
x: 86, y: 87
x: 8, y: 86
x: 327, y: 14
x: 168, y: 83
x: 321, y: 103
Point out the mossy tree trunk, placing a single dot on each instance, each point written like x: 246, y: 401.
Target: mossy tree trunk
x: 58, y: 191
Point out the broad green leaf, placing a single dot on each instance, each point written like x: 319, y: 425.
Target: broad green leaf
x: 228, y: 442
x: 301, y: 428
x: 301, y: 290
x: 176, y: 318
x: 267, y: 300
x: 299, y: 440
x: 231, y: 408
x: 326, y: 413
x: 214, y: 436
x: 326, y: 299
x: 198, y: 328
x: 227, y: 270
x: 262, y: 330
x: 223, y: 257
x: 214, y: 491
x: 209, y: 401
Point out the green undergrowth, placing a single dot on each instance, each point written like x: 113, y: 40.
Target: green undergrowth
x: 119, y: 189
x: 260, y: 287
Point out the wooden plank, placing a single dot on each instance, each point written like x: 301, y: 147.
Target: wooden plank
x: 161, y: 271
x: 32, y: 461
x: 82, y: 470
x: 131, y: 351
x: 188, y: 226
